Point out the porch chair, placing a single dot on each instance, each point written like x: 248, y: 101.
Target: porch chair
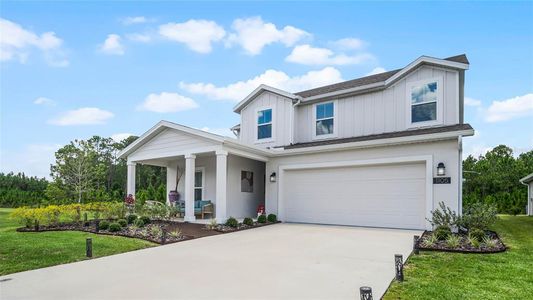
x: 203, y: 207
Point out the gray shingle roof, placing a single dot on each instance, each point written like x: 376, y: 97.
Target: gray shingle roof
x: 365, y: 80
x: 387, y: 135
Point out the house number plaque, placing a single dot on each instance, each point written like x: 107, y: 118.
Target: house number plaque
x: 442, y: 180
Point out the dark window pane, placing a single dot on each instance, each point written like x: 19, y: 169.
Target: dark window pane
x: 324, y: 127
x: 198, y: 194
x: 264, y: 131
x: 424, y: 112
x: 328, y: 110
x: 264, y: 116
x: 324, y: 111
x: 424, y: 93
x: 198, y: 179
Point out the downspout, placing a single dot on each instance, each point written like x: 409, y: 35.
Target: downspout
x: 294, y: 104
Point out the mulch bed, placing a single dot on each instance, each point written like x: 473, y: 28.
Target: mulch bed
x: 464, y: 245
x: 188, y: 230
x: 224, y: 228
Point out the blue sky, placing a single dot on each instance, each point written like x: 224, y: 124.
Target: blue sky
x: 71, y: 70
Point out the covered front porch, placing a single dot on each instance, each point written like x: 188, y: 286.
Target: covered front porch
x: 214, y: 177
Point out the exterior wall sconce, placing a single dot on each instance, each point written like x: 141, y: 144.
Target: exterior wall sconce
x: 441, y: 169
x: 273, y: 177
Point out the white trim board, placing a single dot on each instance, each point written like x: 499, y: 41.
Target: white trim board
x: 427, y: 159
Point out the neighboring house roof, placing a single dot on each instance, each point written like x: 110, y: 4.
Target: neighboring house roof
x: 381, y: 80
x: 527, y: 179
x: 405, y: 133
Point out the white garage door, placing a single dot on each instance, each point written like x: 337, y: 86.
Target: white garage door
x: 377, y: 196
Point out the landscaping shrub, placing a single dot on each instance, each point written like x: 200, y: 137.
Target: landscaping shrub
x: 131, y: 218
x: 443, y: 216
x: 232, y: 222
x: 453, y: 241
x: 429, y: 241
x: 248, y: 221
x: 479, y: 215
x: 146, y: 220
x: 139, y: 223
x: 114, y: 227
x: 488, y: 242
x: 442, y: 232
x: 175, y: 233
x: 122, y: 222
x: 272, y: 218
x: 476, y: 234
x: 156, y: 231
x: 261, y: 219
x: 104, y: 225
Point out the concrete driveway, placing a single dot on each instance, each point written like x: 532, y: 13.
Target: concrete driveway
x: 283, y: 261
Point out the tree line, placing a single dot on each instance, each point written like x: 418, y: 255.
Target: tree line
x: 84, y: 171
x: 494, y: 178
x: 89, y: 170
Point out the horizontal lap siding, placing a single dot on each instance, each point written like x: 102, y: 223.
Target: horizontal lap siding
x: 383, y: 111
x: 170, y: 141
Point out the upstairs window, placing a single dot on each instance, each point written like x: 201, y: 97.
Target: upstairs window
x: 424, y: 100
x: 324, y: 119
x: 264, y: 124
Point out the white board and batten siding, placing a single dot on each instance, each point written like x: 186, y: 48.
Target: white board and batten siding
x: 382, y: 111
x: 170, y: 142
x: 281, y: 119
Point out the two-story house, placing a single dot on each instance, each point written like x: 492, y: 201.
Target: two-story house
x: 380, y: 151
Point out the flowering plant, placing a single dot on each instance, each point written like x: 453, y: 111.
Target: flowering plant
x: 129, y: 200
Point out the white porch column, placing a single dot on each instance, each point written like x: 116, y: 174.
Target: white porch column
x: 130, y: 186
x: 172, y: 174
x: 189, y: 187
x: 221, y: 179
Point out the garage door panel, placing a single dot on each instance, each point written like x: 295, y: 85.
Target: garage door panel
x: 382, y: 196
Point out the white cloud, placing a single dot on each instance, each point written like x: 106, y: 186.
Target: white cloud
x: 44, y: 101
x: 472, y: 102
x: 135, y: 20
x: 517, y: 107
x: 112, y: 45
x: 119, y: 137
x: 349, y: 44
x: 167, y: 102
x: 83, y: 116
x: 17, y: 42
x: 253, y: 34
x: 238, y: 90
x: 33, y: 160
x: 308, y: 55
x: 376, y: 71
x: 139, y: 37
x: 220, y: 131
x: 198, y: 35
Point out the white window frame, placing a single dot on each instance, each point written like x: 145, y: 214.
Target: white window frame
x: 335, y: 121
x: 202, y: 170
x: 440, y: 97
x: 272, y: 123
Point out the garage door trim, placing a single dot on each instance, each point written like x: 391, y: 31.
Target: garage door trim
x: 427, y: 159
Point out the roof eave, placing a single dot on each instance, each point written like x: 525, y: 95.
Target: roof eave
x: 263, y: 87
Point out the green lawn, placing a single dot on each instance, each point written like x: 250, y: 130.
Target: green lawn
x: 507, y: 275
x: 21, y: 251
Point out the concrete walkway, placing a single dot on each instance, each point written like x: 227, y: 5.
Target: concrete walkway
x: 283, y: 261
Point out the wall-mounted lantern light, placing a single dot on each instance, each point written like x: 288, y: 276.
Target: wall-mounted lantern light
x: 441, y: 169
x: 273, y: 177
